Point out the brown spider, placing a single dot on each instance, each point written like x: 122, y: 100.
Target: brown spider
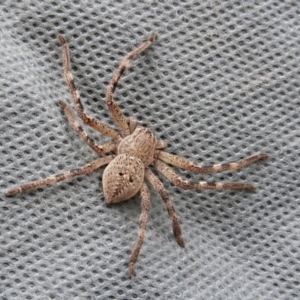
x: 133, y: 151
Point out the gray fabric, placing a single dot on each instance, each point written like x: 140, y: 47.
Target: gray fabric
x: 221, y: 82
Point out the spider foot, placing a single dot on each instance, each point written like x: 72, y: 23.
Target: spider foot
x: 131, y: 270
x: 152, y: 36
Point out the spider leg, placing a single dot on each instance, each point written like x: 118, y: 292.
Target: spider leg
x: 172, y: 176
x: 90, y: 167
x: 90, y: 121
x: 145, y: 207
x: 185, y: 164
x: 160, y: 145
x: 115, y: 111
x: 132, y: 121
x: 158, y: 186
x: 108, y: 147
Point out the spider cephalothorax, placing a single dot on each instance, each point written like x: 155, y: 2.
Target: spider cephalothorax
x: 130, y: 155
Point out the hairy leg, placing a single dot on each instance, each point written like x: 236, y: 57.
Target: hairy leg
x: 116, y: 113
x: 90, y: 121
x: 145, y: 207
x: 200, y: 185
x: 108, y: 147
x: 185, y: 164
x: 90, y: 167
x: 158, y: 186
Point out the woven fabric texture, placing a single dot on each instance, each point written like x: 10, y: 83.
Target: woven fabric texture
x: 220, y: 82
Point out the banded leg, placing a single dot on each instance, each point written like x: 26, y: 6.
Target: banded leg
x: 158, y: 186
x: 115, y: 111
x: 90, y: 167
x: 145, y: 207
x: 108, y: 147
x: 200, y: 185
x: 185, y: 164
x: 90, y: 121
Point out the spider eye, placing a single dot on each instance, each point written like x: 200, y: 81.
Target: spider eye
x: 122, y: 178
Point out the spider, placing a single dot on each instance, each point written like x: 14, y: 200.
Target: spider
x: 130, y: 154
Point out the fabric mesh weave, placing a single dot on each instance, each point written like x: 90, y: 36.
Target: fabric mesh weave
x: 221, y: 82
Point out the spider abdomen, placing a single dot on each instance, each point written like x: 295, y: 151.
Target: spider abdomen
x: 122, y: 178
x: 141, y: 144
